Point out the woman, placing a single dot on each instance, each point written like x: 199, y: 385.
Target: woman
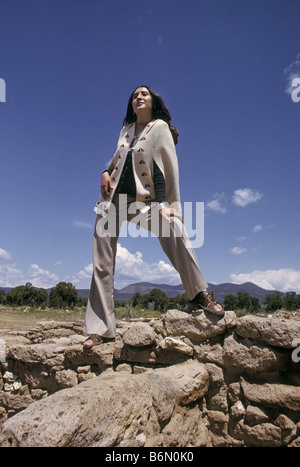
x: 141, y: 185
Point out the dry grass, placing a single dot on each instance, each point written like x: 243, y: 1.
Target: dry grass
x: 23, y: 318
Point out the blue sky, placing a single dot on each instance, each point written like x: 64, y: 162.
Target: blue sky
x: 224, y: 69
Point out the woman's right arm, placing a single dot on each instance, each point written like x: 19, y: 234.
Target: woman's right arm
x: 106, y: 181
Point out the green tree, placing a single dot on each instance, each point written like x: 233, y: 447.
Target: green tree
x: 63, y: 295
x: 180, y: 300
x: 273, y: 301
x: 81, y: 301
x: 159, y: 299
x: 291, y: 301
x: 27, y: 295
x: 243, y: 300
x: 230, y: 302
x: 2, y: 297
x: 120, y: 303
x: 156, y: 298
x: 145, y: 300
x: 136, y: 299
x: 16, y: 295
x: 254, y: 305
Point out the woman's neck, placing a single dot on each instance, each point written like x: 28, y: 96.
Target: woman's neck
x: 143, y: 117
x: 140, y: 124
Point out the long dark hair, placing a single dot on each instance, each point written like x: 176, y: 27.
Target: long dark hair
x: 159, y: 110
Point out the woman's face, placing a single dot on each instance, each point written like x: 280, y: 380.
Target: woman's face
x: 141, y: 100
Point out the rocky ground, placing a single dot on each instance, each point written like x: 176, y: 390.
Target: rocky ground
x: 181, y: 380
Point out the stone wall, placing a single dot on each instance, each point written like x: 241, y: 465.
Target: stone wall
x: 182, y: 380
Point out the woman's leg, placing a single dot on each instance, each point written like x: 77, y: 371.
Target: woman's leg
x: 178, y: 249
x: 100, y: 312
x: 176, y: 245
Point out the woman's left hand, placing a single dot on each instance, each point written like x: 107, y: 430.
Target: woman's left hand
x: 168, y: 213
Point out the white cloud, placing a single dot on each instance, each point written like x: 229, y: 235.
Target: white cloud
x: 217, y: 203
x: 4, y: 254
x: 127, y: 259
x: 86, y: 273
x: 83, y: 225
x: 130, y: 267
x: 241, y: 239
x: 245, y: 196
x: 273, y: 279
x: 257, y: 228
x: 10, y: 276
x: 237, y: 250
x: 292, y: 72
x: 39, y: 277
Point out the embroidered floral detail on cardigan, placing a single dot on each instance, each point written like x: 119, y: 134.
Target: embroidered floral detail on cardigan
x: 158, y: 146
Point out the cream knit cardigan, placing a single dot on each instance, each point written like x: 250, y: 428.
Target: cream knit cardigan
x: 154, y: 143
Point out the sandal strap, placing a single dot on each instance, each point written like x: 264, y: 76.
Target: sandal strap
x: 209, y: 300
x: 95, y: 340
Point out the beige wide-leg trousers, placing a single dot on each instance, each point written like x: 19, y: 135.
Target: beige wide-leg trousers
x: 100, y: 312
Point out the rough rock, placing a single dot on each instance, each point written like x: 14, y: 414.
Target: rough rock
x: 274, y: 331
x: 178, y: 345
x: 265, y: 434
x: 139, y: 335
x: 197, y: 326
x: 182, y: 380
x: 106, y: 410
x: 278, y: 396
x: 255, y: 356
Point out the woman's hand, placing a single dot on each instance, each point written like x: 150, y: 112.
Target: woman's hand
x: 106, y: 185
x: 168, y: 213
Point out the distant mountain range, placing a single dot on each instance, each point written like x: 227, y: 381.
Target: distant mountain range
x: 219, y: 290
